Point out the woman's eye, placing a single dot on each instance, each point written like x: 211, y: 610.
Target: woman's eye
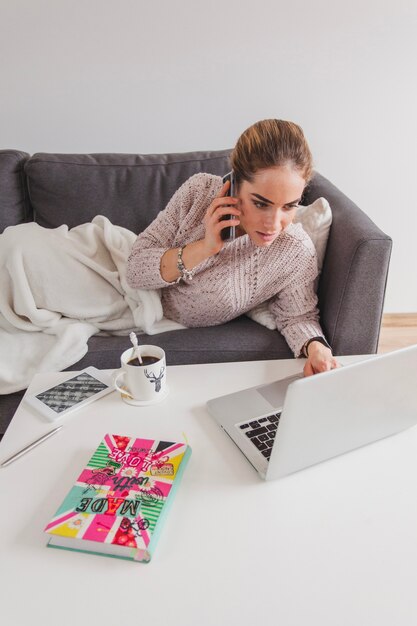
x: 263, y: 205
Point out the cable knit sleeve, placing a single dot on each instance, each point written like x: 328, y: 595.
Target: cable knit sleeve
x: 295, y: 307
x: 143, y: 266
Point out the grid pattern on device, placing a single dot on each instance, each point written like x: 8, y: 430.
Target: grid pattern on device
x: 71, y: 392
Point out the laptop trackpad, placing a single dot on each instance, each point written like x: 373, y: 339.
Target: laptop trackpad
x: 275, y: 392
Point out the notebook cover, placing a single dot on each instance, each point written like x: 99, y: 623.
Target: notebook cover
x: 121, y: 497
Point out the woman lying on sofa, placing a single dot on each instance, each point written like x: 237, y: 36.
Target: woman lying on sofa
x: 208, y: 278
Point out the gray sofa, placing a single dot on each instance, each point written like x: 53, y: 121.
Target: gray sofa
x: 55, y: 189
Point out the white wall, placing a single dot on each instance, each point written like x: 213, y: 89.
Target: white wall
x: 141, y: 76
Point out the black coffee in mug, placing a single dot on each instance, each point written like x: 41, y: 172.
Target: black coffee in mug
x: 146, y: 360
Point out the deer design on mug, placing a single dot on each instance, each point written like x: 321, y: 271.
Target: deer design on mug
x: 156, y: 379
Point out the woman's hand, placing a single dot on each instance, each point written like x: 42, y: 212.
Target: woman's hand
x: 220, y: 206
x: 320, y: 359
x: 198, y: 251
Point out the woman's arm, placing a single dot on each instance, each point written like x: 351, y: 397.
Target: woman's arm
x: 143, y: 266
x: 297, y: 318
x: 191, y: 255
x: 196, y: 252
x: 154, y: 260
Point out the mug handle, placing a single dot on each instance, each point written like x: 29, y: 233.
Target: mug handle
x: 118, y: 374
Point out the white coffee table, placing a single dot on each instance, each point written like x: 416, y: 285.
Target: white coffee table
x: 332, y: 545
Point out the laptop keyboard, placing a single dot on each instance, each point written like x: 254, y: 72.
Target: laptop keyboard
x: 262, y: 432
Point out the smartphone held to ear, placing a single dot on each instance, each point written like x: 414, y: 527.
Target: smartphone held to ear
x: 229, y: 232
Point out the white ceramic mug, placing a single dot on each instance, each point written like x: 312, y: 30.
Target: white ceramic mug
x: 142, y: 384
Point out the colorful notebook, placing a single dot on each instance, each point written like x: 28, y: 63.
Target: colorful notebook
x: 119, y: 503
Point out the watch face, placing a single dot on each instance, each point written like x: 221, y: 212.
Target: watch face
x: 71, y: 392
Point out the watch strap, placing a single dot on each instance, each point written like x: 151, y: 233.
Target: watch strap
x: 319, y: 339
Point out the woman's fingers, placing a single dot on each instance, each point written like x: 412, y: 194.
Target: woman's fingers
x: 316, y: 366
x: 222, y: 199
x: 221, y: 202
x: 221, y: 211
x: 224, y: 190
x: 215, y: 224
x: 217, y: 218
x: 308, y: 369
x: 216, y: 212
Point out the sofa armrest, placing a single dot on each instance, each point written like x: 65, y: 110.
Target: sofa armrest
x: 352, y: 283
x: 14, y: 203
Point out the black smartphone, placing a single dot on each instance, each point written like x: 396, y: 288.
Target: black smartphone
x: 229, y: 232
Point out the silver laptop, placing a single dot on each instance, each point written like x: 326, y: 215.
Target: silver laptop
x: 296, y: 422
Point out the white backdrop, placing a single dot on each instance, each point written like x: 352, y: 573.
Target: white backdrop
x: 136, y: 76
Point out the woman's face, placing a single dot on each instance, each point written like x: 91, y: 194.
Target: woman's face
x: 269, y: 203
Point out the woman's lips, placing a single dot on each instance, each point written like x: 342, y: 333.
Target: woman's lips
x: 267, y: 236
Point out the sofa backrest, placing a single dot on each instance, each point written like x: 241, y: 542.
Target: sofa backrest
x: 128, y: 189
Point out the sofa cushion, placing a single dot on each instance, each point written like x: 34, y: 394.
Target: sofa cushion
x: 238, y: 340
x: 14, y: 208
x: 128, y: 189
x: 8, y: 406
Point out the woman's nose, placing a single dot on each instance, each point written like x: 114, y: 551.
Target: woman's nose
x: 276, y: 220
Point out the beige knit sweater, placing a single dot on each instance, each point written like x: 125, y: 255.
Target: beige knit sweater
x: 239, y: 277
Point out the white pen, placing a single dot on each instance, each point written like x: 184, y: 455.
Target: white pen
x: 30, y: 446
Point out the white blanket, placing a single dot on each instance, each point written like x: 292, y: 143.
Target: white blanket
x: 58, y: 288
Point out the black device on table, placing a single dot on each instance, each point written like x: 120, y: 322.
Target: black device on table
x: 229, y: 232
